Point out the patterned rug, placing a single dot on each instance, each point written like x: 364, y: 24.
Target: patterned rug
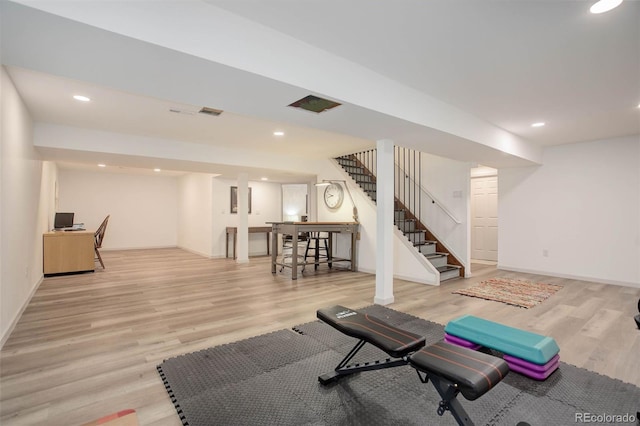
x: 524, y: 294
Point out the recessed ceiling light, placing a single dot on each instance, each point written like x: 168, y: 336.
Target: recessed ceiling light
x: 604, y: 6
x: 264, y: 178
x: 278, y: 133
x: 157, y: 170
x: 539, y: 124
x: 102, y: 165
x: 81, y: 98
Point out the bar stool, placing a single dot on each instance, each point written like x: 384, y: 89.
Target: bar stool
x: 313, y: 244
x: 288, y: 249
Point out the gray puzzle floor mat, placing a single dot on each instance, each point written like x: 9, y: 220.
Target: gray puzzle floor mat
x: 272, y: 380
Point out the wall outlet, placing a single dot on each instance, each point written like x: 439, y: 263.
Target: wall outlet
x: 545, y: 253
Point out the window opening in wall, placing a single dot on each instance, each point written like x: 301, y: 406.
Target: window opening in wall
x: 294, y: 202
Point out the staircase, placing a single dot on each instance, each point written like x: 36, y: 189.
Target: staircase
x: 418, y: 234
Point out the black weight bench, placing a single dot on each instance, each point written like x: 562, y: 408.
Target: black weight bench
x: 451, y: 369
x: 394, y: 341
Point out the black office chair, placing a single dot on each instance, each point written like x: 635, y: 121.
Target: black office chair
x: 98, y: 237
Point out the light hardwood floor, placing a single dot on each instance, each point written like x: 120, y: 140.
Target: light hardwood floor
x: 87, y: 345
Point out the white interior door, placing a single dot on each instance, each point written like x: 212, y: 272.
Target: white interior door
x: 484, y: 218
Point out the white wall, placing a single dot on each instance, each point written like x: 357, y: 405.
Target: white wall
x: 143, y: 209
x: 582, y: 206
x: 195, y: 213
x: 266, y: 206
x: 191, y: 211
x: 448, y: 181
x: 25, y: 204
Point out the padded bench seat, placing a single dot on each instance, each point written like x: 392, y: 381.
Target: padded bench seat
x: 396, y: 342
x: 474, y: 373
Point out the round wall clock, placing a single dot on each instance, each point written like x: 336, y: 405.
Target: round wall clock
x: 333, y: 196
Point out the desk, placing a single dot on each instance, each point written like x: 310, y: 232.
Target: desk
x: 68, y: 251
x: 252, y: 230
x: 294, y: 228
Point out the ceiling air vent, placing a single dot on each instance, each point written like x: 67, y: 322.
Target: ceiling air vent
x: 179, y: 111
x: 314, y: 104
x: 210, y: 111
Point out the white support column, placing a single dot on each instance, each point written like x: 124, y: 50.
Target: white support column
x: 243, y: 218
x: 384, y: 224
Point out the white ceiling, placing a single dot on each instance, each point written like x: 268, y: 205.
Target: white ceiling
x: 49, y: 99
x: 508, y: 63
x: 511, y: 63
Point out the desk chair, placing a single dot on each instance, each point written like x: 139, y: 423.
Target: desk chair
x: 98, y: 237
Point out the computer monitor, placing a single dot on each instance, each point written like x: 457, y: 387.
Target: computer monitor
x: 63, y: 220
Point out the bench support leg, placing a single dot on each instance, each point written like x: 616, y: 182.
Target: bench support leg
x: 448, y: 392
x: 343, y: 369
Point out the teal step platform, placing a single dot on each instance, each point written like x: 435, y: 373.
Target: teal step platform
x: 522, y: 344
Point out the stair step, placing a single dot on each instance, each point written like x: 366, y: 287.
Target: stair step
x: 426, y: 247
x: 446, y: 268
x: 367, y: 186
x: 448, y: 272
x: 346, y: 161
x: 438, y: 259
x: 353, y: 169
x: 406, y: 225
x: 362, y: 177
x: 417, y: 236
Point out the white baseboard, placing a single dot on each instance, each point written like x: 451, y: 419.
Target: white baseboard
x: 15, y: 320
x: 217, y: 256
x: 383, y: 302
x: 208, y: 256
x: 569, y: 276
x: 136, y: 248
x: 415, y: 280
x: 400, y: 277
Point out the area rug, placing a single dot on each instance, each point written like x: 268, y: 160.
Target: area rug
x: 520, y: 293
x: 272, y: 379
